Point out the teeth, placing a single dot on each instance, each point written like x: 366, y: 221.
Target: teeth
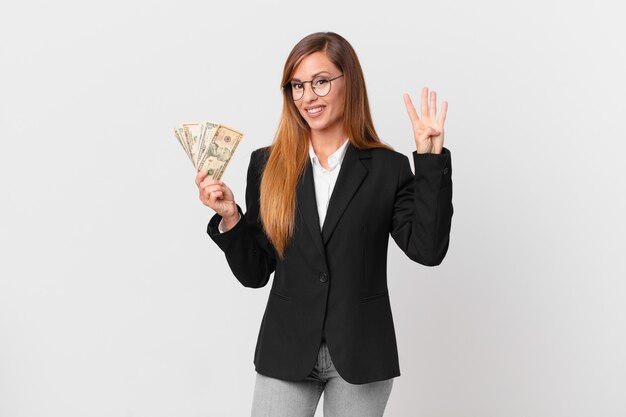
x: 315, y: 110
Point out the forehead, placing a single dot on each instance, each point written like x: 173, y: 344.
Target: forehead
x: 313, y: 64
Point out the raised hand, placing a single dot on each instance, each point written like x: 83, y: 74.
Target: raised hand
x: 217, y: 196
x: 427, y: 129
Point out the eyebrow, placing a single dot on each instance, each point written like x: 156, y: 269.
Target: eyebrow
x: 314, y: 75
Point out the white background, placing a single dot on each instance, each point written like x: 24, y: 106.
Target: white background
x: 115, y: 302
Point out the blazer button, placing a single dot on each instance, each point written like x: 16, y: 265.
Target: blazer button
x: 445, y: 170
x: 323, y: 277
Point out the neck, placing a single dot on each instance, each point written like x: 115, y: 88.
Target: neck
x: 326, y: 142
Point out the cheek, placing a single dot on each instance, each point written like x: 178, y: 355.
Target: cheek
x: 339, y: 100
x: 339, y: 106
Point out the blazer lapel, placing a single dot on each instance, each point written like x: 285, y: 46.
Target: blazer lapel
x: 308, y: 206
x: 352, y: 173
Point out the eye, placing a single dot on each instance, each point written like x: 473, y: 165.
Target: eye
x: 296, y: 86
x: 320, y: 82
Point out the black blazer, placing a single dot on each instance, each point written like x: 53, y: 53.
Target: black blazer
x: 333, y: 282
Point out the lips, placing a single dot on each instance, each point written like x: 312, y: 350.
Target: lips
x: 314, y: 111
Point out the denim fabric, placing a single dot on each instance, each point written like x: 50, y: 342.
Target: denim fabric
x: 278, y: 398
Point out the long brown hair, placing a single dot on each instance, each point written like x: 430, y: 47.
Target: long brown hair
x: 290, y: 149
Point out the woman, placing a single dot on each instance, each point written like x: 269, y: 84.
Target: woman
x: 321, y: 203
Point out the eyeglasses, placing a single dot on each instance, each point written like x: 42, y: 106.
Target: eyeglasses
x: 320, y: 85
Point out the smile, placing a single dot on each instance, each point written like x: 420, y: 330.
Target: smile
x: 315, y: 110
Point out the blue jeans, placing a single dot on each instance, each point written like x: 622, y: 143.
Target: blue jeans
x: 278, y: 398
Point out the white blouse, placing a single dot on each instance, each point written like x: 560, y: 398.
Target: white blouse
x: 325, y: 179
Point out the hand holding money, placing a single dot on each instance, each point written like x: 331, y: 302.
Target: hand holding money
x: 217, y: 196
x: 210, y: 146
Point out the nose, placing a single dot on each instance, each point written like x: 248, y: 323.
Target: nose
x: 309, y: 95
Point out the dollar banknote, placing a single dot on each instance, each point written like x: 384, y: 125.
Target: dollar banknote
x: 208, y: 145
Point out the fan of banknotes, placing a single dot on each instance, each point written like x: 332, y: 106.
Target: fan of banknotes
x: 209, y: 145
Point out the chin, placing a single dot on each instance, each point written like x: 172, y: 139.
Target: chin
x: 320, y: 124
x: 317, y: 125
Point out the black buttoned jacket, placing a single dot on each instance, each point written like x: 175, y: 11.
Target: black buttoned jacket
x: 333, y: 281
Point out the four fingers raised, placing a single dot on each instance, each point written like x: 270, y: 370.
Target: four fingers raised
x: 428, y: 110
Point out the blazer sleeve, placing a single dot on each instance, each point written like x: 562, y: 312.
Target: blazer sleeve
x: 249, y: 253
x: 422, y: 212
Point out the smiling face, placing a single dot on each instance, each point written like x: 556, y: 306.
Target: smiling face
x: 323, y: 114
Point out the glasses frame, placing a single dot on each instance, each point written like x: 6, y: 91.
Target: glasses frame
x: 290, y: 88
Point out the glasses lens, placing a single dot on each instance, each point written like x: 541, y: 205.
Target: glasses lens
x: 297, y: 90
x: 321, y: 86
